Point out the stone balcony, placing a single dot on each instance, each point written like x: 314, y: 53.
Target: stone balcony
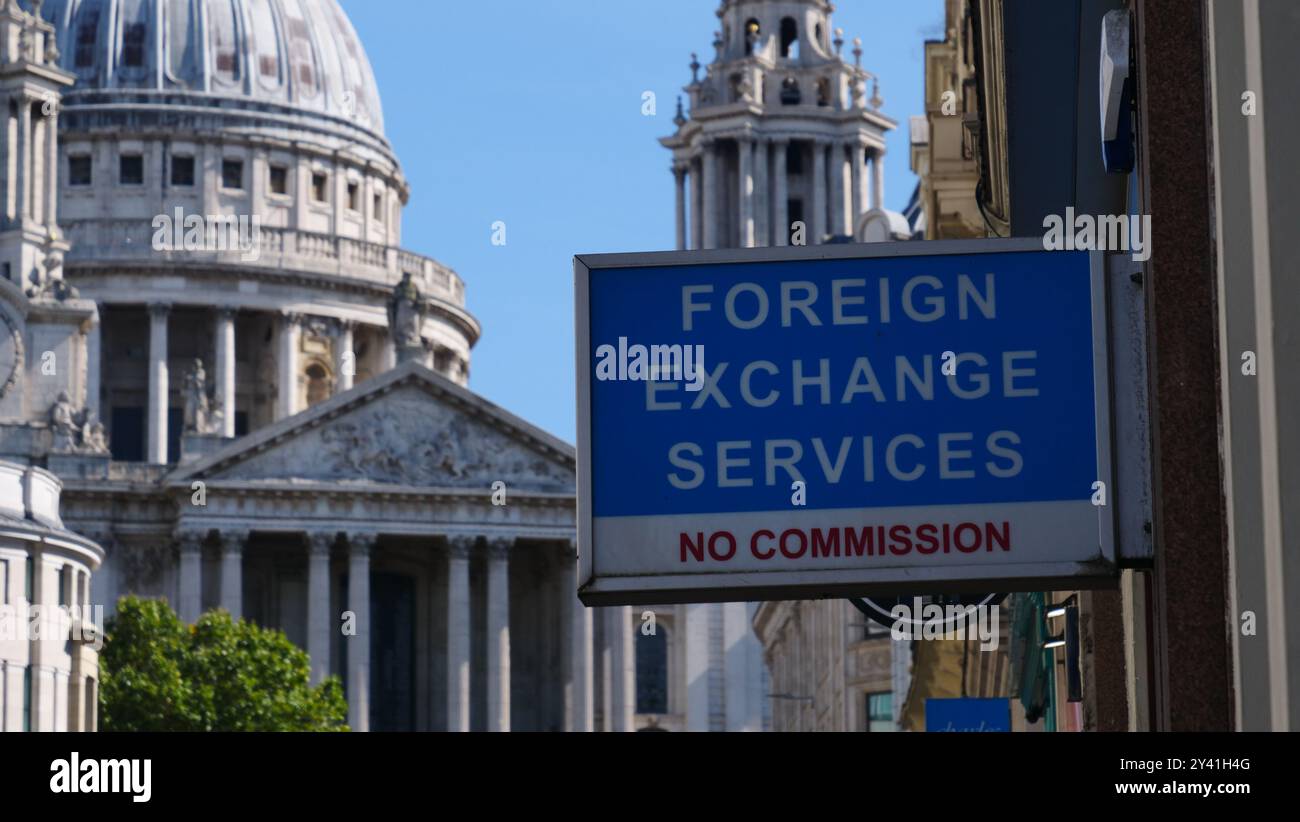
x: 281, y: 249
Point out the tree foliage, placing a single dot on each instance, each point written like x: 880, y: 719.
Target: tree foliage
x: 159, y: 674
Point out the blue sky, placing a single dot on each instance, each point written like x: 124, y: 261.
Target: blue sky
x: 530, y: 113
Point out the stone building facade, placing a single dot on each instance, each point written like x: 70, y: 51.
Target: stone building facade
x: 261, y: 401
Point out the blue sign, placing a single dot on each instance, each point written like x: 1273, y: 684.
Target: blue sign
x: 774, y: 416
x: 968, y: 715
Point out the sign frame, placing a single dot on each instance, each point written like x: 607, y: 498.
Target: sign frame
x: 1100, y: 572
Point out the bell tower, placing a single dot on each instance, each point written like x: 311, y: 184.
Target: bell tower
x: 31, y: 86
x: 782, y: 144
x: 48, y: 336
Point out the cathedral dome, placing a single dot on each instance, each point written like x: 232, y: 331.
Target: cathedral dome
x: 263, y: 55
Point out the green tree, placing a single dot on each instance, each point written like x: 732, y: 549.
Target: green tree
x: 159, y: 674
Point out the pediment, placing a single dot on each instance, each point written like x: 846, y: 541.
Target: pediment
x: 407, y: 428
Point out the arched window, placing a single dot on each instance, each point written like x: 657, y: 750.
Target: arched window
x: 789, y: 38
x: 824, y: 92
x: 652, y: 672
x: 318, y: 384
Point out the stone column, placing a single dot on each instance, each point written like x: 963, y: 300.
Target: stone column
x: 696, y: 631
x: 679, y: 177
x: 862, y: 186
x: 710, y: 205
x: 52, y: 168
x: 745, y: 148
x: 458, y: 627
x: 157, y: 421
x: 24, y: 165
x: 817, y: 220
x: 94, y: 344
x: 762, y: 200
x: 345, y: 361
x: 498, y: 635
x: 319, y: 623
x: 837, y: 183
x: 359, y: 548
x: 190, y: 595
x: 287, y: 355
x: 878, y: 178
x: 780, y: 194
x: 584, y: 686
x: 622, y: 665
x: 225, y: 351
x: 567, y: 585
x: 232, y: 571
x: 855, y: 186
x: 697, y: 205
x: 735, y: 654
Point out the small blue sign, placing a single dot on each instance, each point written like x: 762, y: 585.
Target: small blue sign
x: 968, y: 715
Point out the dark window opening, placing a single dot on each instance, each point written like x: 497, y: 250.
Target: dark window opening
x: 794, y: 158
x: 65, y: 586
x: 752, y: 32
x: 318, y: 384
x: 379, y: 207
x: 133, y: 38
x: 279, y: 180
x: 182, y: 170
x: 130, y: 170
x: 127, y: 440
x: 823, y: 92
x: 354, y: 197
x: 790, y: 94
x: 320, y: 188
x: 232, y: 174
x: 86, y: 34
x: 652, y: 673
x: 789, y: 37
x: 79, y: 170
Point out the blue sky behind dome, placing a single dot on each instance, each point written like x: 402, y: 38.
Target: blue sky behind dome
x: 530, y: 113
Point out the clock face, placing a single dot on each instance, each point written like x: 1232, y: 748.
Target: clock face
x: 11, y: 354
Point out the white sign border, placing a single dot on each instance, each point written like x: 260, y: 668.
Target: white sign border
x: 816, y: 584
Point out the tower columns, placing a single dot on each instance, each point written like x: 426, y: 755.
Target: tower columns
x: 745, y: 151
x: 157, y: 420
x: 878, y: 178
x: 817, y: 225
x: 837, y: 182
x: 697, y: 205
x: 24, y: 170
x: 225, y: 345
x: 762, y: 202
x: 780, y: 194
x: 289, y: 344
x: 51, y: 166
x: 679, y: 177
x: 709, y: 163
x: 857, y: 176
